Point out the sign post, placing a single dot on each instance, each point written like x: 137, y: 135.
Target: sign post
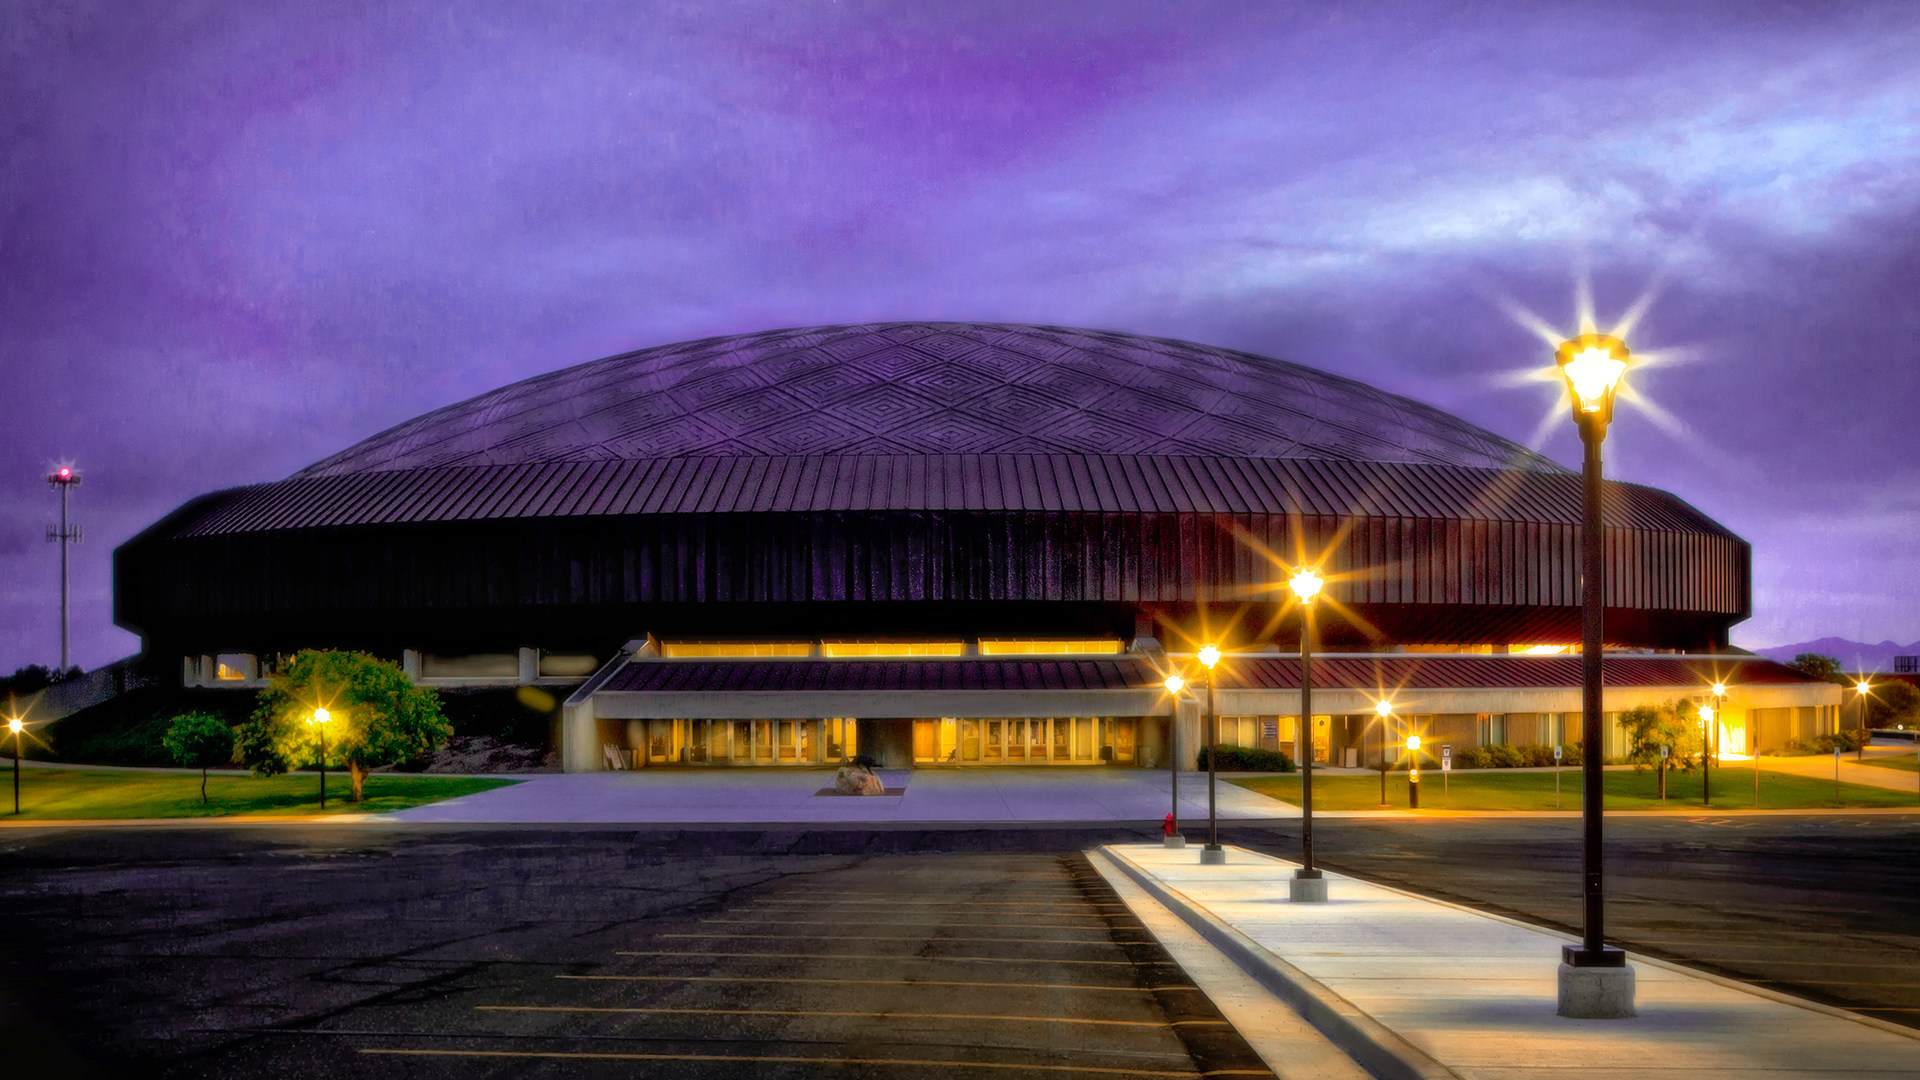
x: 1664, y: 751
x: 1446, y: 773
x: 1559, y: 752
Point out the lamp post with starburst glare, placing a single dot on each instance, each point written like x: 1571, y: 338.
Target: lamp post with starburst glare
x: 1595, y: 981
x: 1308, y: 884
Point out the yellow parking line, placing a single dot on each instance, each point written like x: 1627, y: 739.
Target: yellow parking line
x: 870, y: 982
x: 895, y: 937
x: 947, y: 903
x: 869, y: 920
x: 921, y: 1062
x: 807, y: 1012
x: 867, y: 956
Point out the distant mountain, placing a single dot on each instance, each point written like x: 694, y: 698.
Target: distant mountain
x: 1853, y: 655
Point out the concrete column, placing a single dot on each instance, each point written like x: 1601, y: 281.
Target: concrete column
x: 1192, y: 734
x: 410, y: 663
x: 529, y: 665
x: 580, y: 739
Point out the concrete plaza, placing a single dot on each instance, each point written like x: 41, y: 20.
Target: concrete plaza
x: 792, y: 795
x: 1413, y: 987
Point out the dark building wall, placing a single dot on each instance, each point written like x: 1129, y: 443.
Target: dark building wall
x: 576, y: 581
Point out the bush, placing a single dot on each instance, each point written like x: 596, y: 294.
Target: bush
x: 1849, y: 739
x: 1246, y: 759
x: 199, y: 740
x: 1502, y: 756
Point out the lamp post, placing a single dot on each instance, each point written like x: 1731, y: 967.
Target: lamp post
x: 14, y: 725
x: 1707, y: 713
x: 319, y: 720
x: 1863, y: 687
x: 1383, y: 709
x: 1173, y: 839
x: 1212, y: 854
x: 1413, y: 772
x: 63, y: 479
x: 1595, y: 981
x: 1308, y: 885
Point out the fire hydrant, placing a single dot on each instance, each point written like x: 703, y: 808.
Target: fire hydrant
x: 1168, y: 827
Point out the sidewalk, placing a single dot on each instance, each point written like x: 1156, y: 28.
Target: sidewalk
x: 790, y: 795
x: 1417, y: 988
x: 1820, y: 767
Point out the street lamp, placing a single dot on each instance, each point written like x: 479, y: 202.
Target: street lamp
x: 1706, y: 754
x: 1863, y: 688
x: 1307, y: 886
x: 1595, y: 981
x: 1413, y: 772
x: 319, y: 720
x: 1384, y: 710
x: 63, y: 479
x: 1174, y: 684
x: 14, y: 725
x: 1212, y: 854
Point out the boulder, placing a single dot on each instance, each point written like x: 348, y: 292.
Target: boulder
x: 855, y: 780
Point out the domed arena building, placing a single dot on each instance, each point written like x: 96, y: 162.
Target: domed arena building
x: 957, y: 543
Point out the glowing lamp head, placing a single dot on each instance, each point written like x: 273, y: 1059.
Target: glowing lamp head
x: 1862, y: 686
x: 321, y: 716
x: 1209, y: 656
x: 1706, y: 714
x: 1592, y: 364
x: 1174, y: 684
x: 1719, y: 689
x: 1305, y: 584
x: 1413, y: 742
x: 1383, y: 708
x: 14, y: 725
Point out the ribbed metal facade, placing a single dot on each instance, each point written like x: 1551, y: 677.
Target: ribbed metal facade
x: 1436, y: 545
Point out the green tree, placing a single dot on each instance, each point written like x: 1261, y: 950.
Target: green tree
x: 1819, y: 666
x: 1675, y: 727
x: 1893, y: 702
x: 377, y: 716
x: 199, y: 740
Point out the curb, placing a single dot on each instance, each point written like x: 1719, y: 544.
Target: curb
x: 1373, y: 1045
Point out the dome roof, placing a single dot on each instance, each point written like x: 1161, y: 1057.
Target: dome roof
x: 932, y: 388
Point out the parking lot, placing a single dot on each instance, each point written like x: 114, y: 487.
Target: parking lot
x: 324, y: 955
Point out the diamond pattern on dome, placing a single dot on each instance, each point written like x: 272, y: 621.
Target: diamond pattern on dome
x: 932, y: 388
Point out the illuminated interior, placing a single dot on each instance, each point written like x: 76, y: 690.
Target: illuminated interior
x: 735, y: 649
x: 894, y: 648
x: 1041, y: 647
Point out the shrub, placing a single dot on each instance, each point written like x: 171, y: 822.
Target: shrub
x: 1506, y: 757
x: 1474, y: 758
x: 1246, y: 759
x: 1849, y: 739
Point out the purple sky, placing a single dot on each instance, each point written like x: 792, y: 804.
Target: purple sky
x: 234, y: 239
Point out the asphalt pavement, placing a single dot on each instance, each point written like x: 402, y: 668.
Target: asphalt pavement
x: 294, y: 950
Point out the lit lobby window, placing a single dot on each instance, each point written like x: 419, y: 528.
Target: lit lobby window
x: 1035, y: 647
x: 894, y: 648
x: 735, y: 649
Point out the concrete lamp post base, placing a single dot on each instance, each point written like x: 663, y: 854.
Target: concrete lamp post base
x: 1213, y: 856
x: 1176, y: 840
x: 1596, y: 993
x: 1307, y: 890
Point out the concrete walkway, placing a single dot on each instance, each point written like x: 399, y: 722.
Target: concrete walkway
x: 1852, y: 771
x: 1413, y: 987
x: 782, y: 795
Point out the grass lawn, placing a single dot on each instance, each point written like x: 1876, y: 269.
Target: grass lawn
x: 1498, y: 789
x: 1905, y: 763
x: 76, y: 793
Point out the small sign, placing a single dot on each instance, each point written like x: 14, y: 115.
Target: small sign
x: 1446, y: 763
x: 1663, y: 753
x: 1446, y: 751
x: 1559, y: 752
